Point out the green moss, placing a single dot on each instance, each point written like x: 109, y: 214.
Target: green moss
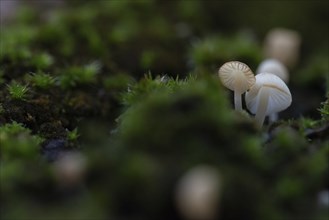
x: 307, y: 123
x: 17, y: 90
x: 318, y: 163
x: 17, y: 142
x: 324, y: 110
x: 181, y: 119
x: 79, y: 75
x: 15, y: 39
x: 73, y: 135
x: 42, y: 61
x: 118, y: 82
x: 13, y: 128
x: 288, y: 188
x: 216, y: 50
x: 148, y: 85
x: 41, y: 80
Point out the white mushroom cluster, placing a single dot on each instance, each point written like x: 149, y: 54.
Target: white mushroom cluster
x: 266, y: 93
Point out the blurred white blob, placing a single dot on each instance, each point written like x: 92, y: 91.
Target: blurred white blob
x: 69, y: 169
x: 275, y: 67
x: 323, y: 198
x: 283, y: 45
x: 197, y: 193
x: 7, y: 9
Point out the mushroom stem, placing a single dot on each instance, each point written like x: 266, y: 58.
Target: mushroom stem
x: 261, y: 110
x: 237, y: 101
x: 273, y: 117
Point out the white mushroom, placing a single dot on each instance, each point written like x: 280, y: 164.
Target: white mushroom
x: 70, y: 169
x: 277, y: 68
x: 283, y: 45
x: 238, y: 77
x: 268, y: 95
x: 197, y: 193
x: 323, y: 198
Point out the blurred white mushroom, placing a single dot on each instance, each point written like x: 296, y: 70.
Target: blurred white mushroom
x: 275, y: 67
x: 269, y: 95
x: 283, y: 45
x: 323, y: 198
x: 238, y: 77
x: 197, y: 193
x: 69, y: 169
x: 8, y: 10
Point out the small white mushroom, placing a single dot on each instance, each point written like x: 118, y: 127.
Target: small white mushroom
x: 284, y: 45
x: 275, y: 67
x: 197, y: 193
x: 69, y: 170
x: 238, y: 77
x: 268, y: 95
x: 323, y: 198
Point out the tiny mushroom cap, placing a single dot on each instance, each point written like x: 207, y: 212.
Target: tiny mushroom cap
x: 275, y: 67
x: 238, y: 77
x: 269, y: 95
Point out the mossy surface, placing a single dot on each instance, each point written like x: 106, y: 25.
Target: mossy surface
x: 132, y: 88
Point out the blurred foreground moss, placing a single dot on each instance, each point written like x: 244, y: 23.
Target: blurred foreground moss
x: 324, y: 110
x: 206, y: 54
x: 172, y: 129
x: 168, y: 127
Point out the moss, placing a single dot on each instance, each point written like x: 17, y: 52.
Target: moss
x: 17, y: 142
x: 17, y: 91
x: 79, y: 75
x: 170, y: 103
x: 77, y: 83
x: 213, y: 51
x: 73, y: 135
x: 41, y: 80
x: 324, y: 110
x: 42, y: 61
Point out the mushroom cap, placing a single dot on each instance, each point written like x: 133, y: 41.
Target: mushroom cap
x: 275, y: 67
x: 279, y: 94
x: 198, y: 192
x: 236, y: 76
x: 284, y: 45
